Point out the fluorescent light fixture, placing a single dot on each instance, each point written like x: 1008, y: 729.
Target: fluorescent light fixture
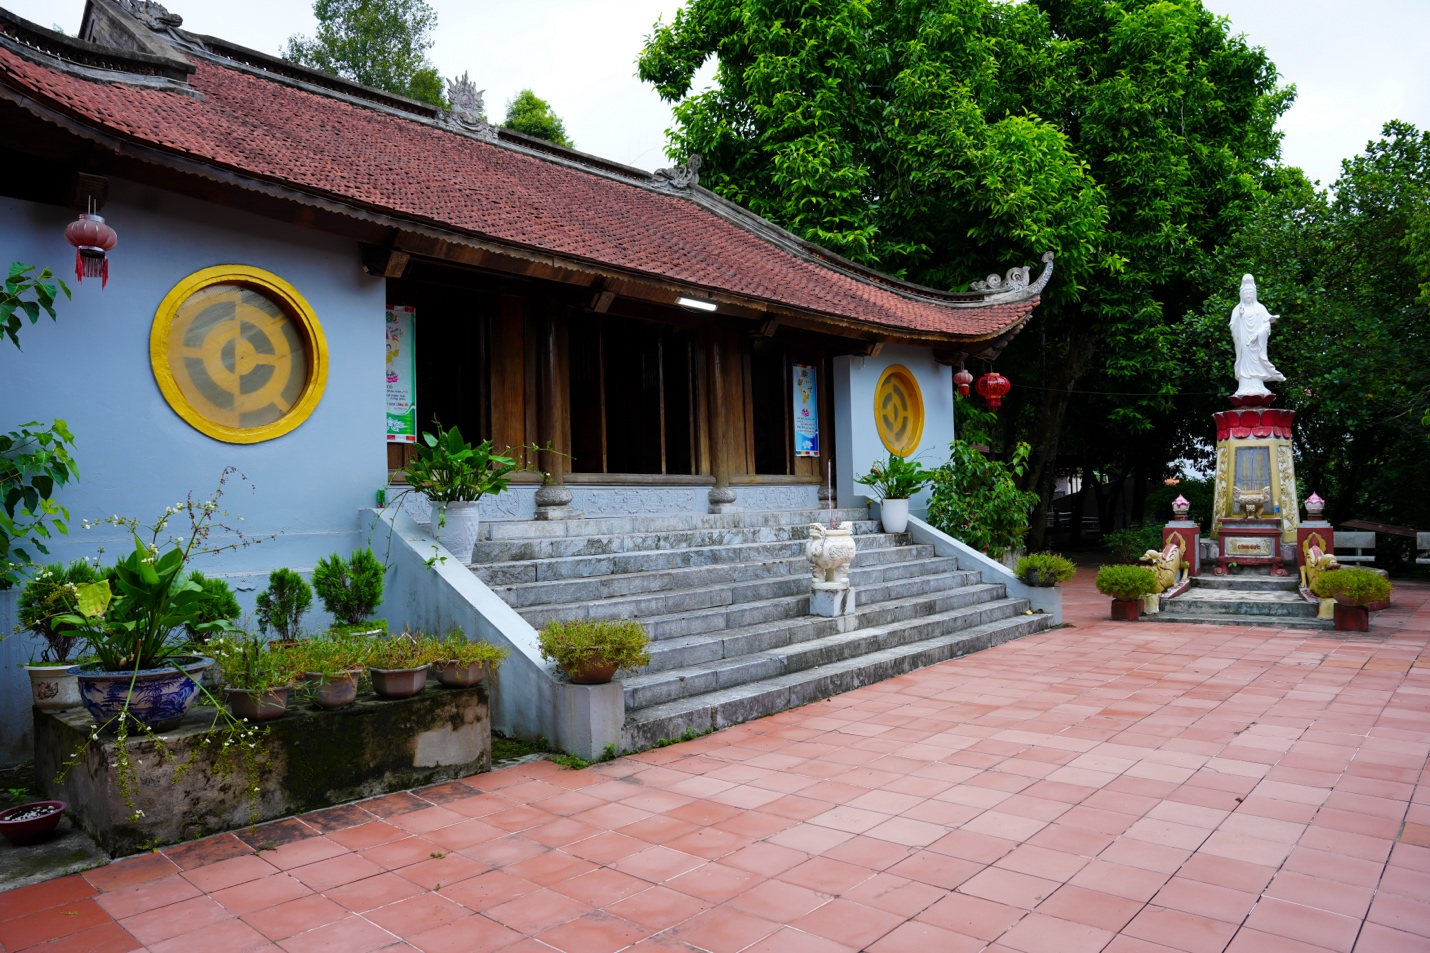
x: 695, y: 304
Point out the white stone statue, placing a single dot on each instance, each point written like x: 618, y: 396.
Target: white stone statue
x: 1251, y: 329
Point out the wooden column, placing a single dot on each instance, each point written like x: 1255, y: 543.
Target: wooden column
x: 553, y: 413
x: 722, y: 496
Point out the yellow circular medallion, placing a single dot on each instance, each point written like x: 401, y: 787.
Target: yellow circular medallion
x: 238, y: 353
x: 899, y: 410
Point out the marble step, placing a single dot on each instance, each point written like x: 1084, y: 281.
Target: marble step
x: 793, y: 624
x: 1224, y: 603
x: 515, y: 572
x: 1247, y: 582
x: 873, y: 583
x: 590, y: 588
x: 514, y: 550
x: 730, y: 706
x: 1267, y: 621
x: 680, y: 522
x: 655, y: 688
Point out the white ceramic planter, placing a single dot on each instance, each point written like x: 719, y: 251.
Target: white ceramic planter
x: 894, y: 514
x: 52, y: 687
x: 455, y: 525
x: 830, y: 551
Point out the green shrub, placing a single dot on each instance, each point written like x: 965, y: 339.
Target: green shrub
x: 251, y: 664
x: 977, y: 500
x: 1128, y: 545
x: 51, y: 593
x: 1198, y: 493
x: 351, y: 589
x: 454, y: 647
x: 1126, y: 582
x: 1352, y: 586
x: 406, y: 650
x: 332, y: 654
x: 216, y: 604
x: 896, y: 478
x: 282, y: 604
x: 1048, y: 566
x: 619, y: 642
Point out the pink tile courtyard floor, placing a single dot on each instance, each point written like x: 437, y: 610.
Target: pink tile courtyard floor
x: 1118, y: 787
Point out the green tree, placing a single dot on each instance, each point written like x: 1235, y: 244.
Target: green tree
x: 941, y: 139
x: 530, y: 114
x: 379, y: 43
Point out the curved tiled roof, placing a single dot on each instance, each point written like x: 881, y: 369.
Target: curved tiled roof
x: 242, y: 120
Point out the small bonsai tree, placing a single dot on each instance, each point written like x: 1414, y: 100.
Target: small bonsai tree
x: 282, y: 604
x: 1352, y: 586
x: 1126, y: 583
x: 216, y: 604
x: 52, y: 593
x: 1044, y: 569
x: 351, y: 589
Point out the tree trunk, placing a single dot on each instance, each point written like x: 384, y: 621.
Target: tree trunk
x: 1048, y: 431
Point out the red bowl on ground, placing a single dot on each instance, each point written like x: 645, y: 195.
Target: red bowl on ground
x: 26, y: 825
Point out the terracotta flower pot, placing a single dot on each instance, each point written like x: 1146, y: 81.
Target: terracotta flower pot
x: 398, y: 682
x: 333, y: 691
x: 1126, y: 610
x: 593, y: 671
x: 1352, y: 618
x: 258, y: 706
x: 20, y: 828
x: 457, y: 675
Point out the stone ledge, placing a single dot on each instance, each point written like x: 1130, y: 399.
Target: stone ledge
x: 308, y: 759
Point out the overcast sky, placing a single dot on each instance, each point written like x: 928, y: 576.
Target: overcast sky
x: 1355, y: 64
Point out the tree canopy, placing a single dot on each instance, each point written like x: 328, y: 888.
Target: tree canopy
x: 379, y: 43
x: 941, y: 140
x: 528, y: 113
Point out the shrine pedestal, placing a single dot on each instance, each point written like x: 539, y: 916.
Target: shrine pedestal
x: 1255, y: 474
x: 1250, y: 542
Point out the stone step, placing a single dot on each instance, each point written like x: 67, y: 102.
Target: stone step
x: 656, y: 688
x: 682, y: 522
x: 730, y: 706
x: 1224, y: 603
x: 794, y: 624
x: 513, y: 550
x: 872, y: 583
x: 570, y: 567
x: 1246, y: 582
x: 589, y: 588
x: 1268, y: 621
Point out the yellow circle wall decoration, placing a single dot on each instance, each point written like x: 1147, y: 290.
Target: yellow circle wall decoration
x: 238, y: 353
x: 899, y: 410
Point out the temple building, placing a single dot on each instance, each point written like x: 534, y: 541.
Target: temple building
x: 304, y: 272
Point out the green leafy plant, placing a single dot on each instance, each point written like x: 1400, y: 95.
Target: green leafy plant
x: 448, y: 469
x: 34, y: 461
x: 976, y: 499
x: 282, y: 604
x: 217, y: 604
x: 1044, y: 569
x: 252, y: 664
x: 571, y: 645
x: 1126, y: 583
x: 52, y: 593
x: 351, y: 589
x: 895, y: 478
x: 28, y: 293
x: 408, y: 649
x: 455, y: 647
x: 332, y: 654
x: 1127, y: 545
x: 1352, y: 586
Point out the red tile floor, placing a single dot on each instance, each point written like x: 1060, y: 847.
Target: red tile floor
x: 1122, y: 787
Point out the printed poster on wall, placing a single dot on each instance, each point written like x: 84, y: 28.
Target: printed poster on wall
x: 401, y: 375
x: 806, y: 411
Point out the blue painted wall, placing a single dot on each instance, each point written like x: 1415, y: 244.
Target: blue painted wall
x: 137, y: 456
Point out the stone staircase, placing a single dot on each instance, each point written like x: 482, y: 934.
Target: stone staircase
x: 725, y: 599
x: 1251, y: 598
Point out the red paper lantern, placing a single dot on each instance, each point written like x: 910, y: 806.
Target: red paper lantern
x: 993, y: 386
x: 92, y: 240
x: 963, y: 379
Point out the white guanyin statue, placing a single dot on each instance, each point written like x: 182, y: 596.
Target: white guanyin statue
x: 1251, y: 329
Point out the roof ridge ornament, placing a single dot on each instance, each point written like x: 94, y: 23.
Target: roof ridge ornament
x: 468, y: 108
x: 152, y: 14
x: 1015, y: 284
x: 679, y: 176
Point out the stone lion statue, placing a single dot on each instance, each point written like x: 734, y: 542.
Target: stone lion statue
x: 1316, y: 560
x: 1169, y: 563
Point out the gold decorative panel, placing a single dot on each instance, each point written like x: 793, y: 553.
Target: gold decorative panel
x: 899, y: 410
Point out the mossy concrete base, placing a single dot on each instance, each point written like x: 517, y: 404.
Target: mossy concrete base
x: 307, y: 759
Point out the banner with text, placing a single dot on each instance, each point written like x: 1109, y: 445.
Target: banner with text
x: 401, y: 375
x: 806, y: 411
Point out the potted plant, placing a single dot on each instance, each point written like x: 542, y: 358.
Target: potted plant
x: 1354, y: 589
x: 31, y: 823
x: 331, y: 665
x: 1126, y: 585
x: 894, y: 481
x: 454, y: 475
x: 216, y: 604
x: 259, y: 675
x: 1045, y: 569
x: 282, y: 604
x: 590, y: 652
x: 398, y: 666
x: 351, y: 589
x: 49, y: 595
x: 462, y: 664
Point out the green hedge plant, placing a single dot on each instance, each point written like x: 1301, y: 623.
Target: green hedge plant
x: 1126, y: 583
x: 216, y: 604
x: 1352, y: 586
x: 1044, y: 569
x: 51, y: 593
x: 351, y: 589
x: 281, y: 606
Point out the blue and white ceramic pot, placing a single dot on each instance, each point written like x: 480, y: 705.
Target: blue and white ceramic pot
x: 159, y: 697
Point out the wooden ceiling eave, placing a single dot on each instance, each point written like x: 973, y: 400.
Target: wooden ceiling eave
x: 155, y: 167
